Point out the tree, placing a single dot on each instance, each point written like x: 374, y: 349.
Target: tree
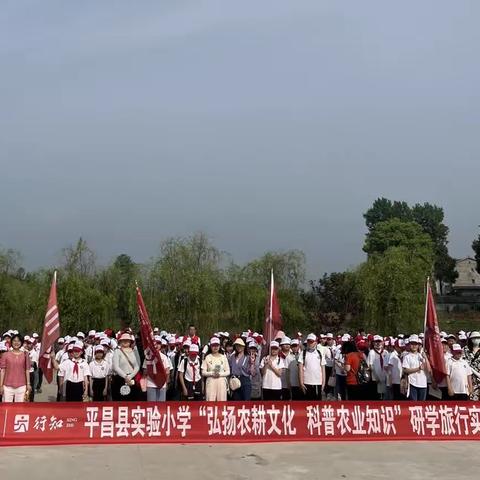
x: 476, y: 249
x: 79, y: 258
x: 430, y: 218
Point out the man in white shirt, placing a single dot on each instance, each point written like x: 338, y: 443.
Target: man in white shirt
x: 312, y: 370
x: 459, y: 375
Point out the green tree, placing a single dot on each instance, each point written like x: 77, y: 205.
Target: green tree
x: 476, y: 249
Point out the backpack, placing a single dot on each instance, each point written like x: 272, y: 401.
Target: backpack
x: 319, y: 353
x: 363, y: 373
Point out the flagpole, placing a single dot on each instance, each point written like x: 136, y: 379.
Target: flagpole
x: 426, y: 308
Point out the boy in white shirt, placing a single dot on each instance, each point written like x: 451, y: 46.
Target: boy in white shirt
x: 271, y: 367
x: 377, y: 361
x: 312, y: 370
x: 75, y: 373
x: 101, y: 372
x: 416, y: 366
x: 459, y: 375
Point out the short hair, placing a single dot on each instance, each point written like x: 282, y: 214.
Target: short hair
x: 349, y: 347
x: 16, y: 335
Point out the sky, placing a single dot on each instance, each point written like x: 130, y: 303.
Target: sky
x: 269, y: 125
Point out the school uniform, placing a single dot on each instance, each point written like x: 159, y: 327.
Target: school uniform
x: 192, y: 377
x: 74, y: 373
x: 396, y: 372
x: 271, y: 383
x: 459, y: 371
x: 312, y: 363
x: 100, y: 371
x: 377, y: 361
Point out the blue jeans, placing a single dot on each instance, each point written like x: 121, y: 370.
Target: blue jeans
x: 244, y: 393
x: 156, y: 394
x: 417, y: 394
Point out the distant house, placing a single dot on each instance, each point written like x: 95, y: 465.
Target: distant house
x: 468, y: 280
x: 464, y: 294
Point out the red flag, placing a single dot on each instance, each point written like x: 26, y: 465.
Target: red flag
x: 433, y: 342
x: 273, y: 318
x: 51, y: 332
x: 155, y: 368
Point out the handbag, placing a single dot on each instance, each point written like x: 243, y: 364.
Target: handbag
x: 332, y: 381
x: 234, y: 383
x: 138, y: 377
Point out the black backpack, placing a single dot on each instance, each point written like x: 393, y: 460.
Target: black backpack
x: 363, y: 373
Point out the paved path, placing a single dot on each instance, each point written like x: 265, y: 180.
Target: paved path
x: 372, y: 461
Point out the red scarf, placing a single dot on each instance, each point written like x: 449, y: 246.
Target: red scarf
x: 381, y: 357
x: 75, y: 368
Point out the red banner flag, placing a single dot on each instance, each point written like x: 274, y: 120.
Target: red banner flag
x: 273, y: 318
x: 155, y: 368
x: 51, y: 332
x: 433, y: 342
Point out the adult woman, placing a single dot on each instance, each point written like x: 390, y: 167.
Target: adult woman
x: 254, y: 368
x: 416, y: 366
x: 353, y: 360
x: 215, y: 369
x: 239, y: 368
x: 126, y: 365
x: 156, y: 393
x: 271, y: 367
x: 15, y: 372
x: 471, y: 353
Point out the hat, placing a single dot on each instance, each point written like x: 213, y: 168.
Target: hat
x: 414, y: 339
x: 35, y: 335
x: 171, y: 341
x: 61, y: 340
x: 239, y: 341
x: 3, y: 347
x: 26, y: 338
x: 474, y: 334
x: 157, y: 338
x: 187, y: 343
x: 70, y: 347
x: 421, y: 335
x: 194, y: 348
x: 163, y: 341
x: 312, y: 337
x: 214, y: 341
x: 399, y: 342
x: 80, y: 335
x: 295, y: 341
x: 285, y: 341
x: 275, y: 344
x: 253, y: 344
x: 92, y: 333
x: 329, y: 335
x: 377, y: 338
x: 77, y: 347
x: 67, y: 338
x: 98, y: 348
x: 451, y: 335
x: 345, y: 337
x: 444, y: 340
x: 456, y: 347
x: 462, y: 336
x: 105, y: 342
x: 126, y: 336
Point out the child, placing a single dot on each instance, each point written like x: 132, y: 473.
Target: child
x: 75, y: 373
x: 101, y: 371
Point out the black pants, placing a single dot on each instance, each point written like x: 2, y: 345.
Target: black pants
x: 396, y: 392
x: 297, y: 394
x: 32, y: 384
x: 445, y: 395
x: 328, y: 373
x: 356, y: 392
x: 372, y: 391
x: 40, y: 379
x: 269, y: 394
x: 194, y: 390
x: 286, y: 394
x: 73, y: 391
x: 98, y: 386
x: 117, y: 383
x: 460, y: 396
x: 314, y: 392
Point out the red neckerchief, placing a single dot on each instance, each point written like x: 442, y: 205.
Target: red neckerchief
x: 75, y: 367
x: 381, y: 356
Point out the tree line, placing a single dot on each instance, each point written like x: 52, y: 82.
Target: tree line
x: 191, y: 280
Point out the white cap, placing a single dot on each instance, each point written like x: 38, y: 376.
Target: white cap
x: 285, y: 341
x: 462, y: 336
x: 187, y: 343
x: 253, y: 344
x: 3, y: 347
x: 105, y: 342
x: 61, y: 340
x: 113, y: 344
x: 157, y: 338
x: 421, y: 335
x: 80, y: 335
x: 346, y: 337
x: 329, y: 335
x: 456, y: 347
x: 312, y: 337
x: 274, y: 344
x: 214, y: 341
x: 156, y: 329
x: 474, y: 334
x: 377, y: 338
x: 26, y: 338
x: 163, y: 341
x: 35, y: 335
x: 78, y: 344
x: 98, y: 348
x: 414, y: 339
x: 67, y: 338
x: 194, y: 348
x: 92, y: 333
x: 295, y: 341
x: 171, y: 340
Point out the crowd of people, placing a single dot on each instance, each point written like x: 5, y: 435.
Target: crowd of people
x: 103, y: 366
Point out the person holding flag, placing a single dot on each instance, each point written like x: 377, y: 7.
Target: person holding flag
x: 154, y: 392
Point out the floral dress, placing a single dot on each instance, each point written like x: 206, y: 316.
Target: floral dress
x: 474, y: 362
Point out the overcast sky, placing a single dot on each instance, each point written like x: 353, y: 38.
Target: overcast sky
x: 268, y: 124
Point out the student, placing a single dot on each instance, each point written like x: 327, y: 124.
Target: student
x: 416, y: 366
x: 15, y: 372
x: 395, y: 369
x: 100, y: 371
x: 190, y: 376
x: 329, y: 353
x: 293, y: 370
x: 271, y: 367
x: 353, y: 360
x: 340, y: 373
x: 126, y: 365
x: 215, y: 369
x: 377, y: 361
x: 312, y: 370
x: 254, y: 368
x: 154, y: 392
x: 239, y: 368
x: 285, y: 354
x: 471, y: 354
x: 459, y: 375
x: 74, y: 373
x: 28, y: 347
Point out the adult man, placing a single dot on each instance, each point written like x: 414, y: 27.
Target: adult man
x: 312, y: 370
x: 192, y: 335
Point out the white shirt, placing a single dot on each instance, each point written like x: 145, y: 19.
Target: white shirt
x: 374, y: 362
x: 312, y: 370
x: 340, y: 358
x: 270, y: 381
x: 413, y: 360
x: 187, y: 370
x: 167, y: 365
x: 66, y: 370
x: 100, y: 370
x: 396, y: 371
x: 329, y: 355
x: 459, y: 370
